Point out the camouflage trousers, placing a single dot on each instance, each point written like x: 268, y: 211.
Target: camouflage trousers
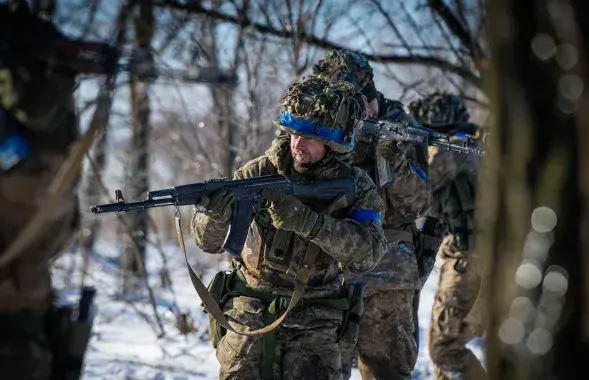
x: 387, y: 346
x: 25, y: 352
x: 306, y: 343
x: 456, y: 319
x: 25, y: 284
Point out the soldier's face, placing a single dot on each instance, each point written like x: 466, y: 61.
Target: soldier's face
x: 372, y: 109
x: 306, y: 150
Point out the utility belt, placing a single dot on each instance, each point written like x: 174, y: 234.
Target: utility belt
x: 228, y: 284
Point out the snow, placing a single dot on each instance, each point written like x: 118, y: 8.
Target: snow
x: 125, y: 343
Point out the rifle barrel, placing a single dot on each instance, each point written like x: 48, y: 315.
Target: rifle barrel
x: 131, y: 206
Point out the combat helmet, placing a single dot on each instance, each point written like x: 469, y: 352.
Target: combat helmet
x: 344, y: 65
x: 439, y: 110
x: 325, y: 111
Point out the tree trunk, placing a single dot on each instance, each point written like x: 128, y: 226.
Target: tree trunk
x: 91, y: 224
x: 139, y: 165
x: 223, y: 104
x: 534, y: 194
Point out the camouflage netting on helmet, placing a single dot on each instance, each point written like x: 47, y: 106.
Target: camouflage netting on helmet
x: 316, y: 108
x: 439, y: 110
x: 344, y: 65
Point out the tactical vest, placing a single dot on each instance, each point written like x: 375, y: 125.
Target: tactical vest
x: 274, y: 255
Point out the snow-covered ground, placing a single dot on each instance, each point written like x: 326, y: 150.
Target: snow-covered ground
x: 125, y: 343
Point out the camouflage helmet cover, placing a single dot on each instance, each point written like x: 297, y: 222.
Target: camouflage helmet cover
x: 344, y: 65
x: 439, y: 110
x: 325, y: 111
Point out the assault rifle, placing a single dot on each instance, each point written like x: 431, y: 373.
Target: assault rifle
x: 418, y: 135
x: 247, y: 199
x: 25, y: 39
x: 413, y: 134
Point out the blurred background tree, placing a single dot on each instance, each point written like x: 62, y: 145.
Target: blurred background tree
x: 534, y: 210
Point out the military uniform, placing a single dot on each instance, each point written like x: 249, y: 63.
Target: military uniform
x: 306, y: 343
x: 37, y: 115
x: 388, y: 339
x: 453, y: 177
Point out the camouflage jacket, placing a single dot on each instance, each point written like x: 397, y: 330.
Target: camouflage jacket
x: 37, y: 106
x: 453, y: 178
x: 407, y: 198
x: 269, y: 253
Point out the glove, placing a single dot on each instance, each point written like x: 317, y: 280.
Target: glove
x: 390, y: 149
x: 289, y: 213
x: 218, y: 207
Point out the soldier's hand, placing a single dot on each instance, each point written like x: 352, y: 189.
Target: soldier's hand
x: 390, y: 149
x: 289, y: 213
x: 218, y: 206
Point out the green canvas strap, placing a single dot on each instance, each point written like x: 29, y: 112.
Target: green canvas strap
x: 271, y: 319
x: 213, y: 308
x: 269, y: 341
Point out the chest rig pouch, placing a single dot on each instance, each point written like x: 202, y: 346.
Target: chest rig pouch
x: 285, y: 251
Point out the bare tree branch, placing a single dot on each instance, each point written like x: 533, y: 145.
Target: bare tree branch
x: 391, y: 23
x: 457, y: 28
x: 244, y: 22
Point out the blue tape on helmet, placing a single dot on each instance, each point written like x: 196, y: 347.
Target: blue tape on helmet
x: 309, y: 128
x: 365, y: 216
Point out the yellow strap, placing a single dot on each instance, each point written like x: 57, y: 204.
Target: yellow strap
x: 64, y: 178
x: 213, y: 308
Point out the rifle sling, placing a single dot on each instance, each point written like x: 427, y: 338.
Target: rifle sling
x: 301, y: 279
x: 213, y: 308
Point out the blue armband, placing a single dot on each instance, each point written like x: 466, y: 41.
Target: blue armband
x: 365, y: 216
x: 13, y: 149
x: 420, y: 172
x: 460, y: 135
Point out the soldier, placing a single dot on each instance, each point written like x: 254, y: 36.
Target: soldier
x: 319, y: 120
x: 37, y: 125
x: 453, y: 178
x: 388, y: 339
